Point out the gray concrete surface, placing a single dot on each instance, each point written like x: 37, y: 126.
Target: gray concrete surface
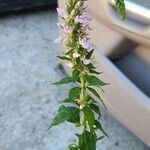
x: 27, y: 102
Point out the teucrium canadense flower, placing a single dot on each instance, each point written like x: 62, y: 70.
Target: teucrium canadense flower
x: 84, y: 111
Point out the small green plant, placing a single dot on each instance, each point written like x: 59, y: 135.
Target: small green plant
x: 83, y: 110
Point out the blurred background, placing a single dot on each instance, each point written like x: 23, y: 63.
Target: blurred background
x: 28, y: 65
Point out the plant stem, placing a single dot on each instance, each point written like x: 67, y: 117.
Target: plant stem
x: 83, y: 99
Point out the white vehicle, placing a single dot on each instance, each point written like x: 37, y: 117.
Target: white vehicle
x: 123, y: 53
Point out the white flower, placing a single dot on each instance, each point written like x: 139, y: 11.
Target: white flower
x: 82, y: 106
x: 67, y: 29
x: 83, y: 42
x: 86, y: 61
x: 76, y: 55
x: 70, y: 65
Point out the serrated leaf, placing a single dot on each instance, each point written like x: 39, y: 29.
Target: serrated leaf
x: 63, y: 81
x: 99, y: 126
x: 96, y: 109
x: 74, y: 92
x: 94, y: 81
x: 75, y: 75
x: 70, y: 114
x: 64, y: 58
x: 89, y: 116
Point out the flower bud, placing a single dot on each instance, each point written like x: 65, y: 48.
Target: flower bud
x: 78, y: 4
x: 76, y: 55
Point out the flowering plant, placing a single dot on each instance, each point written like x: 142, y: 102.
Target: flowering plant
x: 83, y: 110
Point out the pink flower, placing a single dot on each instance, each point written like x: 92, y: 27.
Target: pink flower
x: 67, y: 29
x: 58, y: 40
x: 62, y: 12
x: 88, y: 18
x: 84, y: 19
x: 79, y: 19
x: 83, y: 42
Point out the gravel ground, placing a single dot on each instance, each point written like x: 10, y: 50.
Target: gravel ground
x: 27, y: 102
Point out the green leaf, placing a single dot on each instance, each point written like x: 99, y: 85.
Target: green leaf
x: 70, y: 114
x: 89, y: 116
x: 75, y: 75
x: 79, y: 64
x: 96, y: 109
x: 97, y: 95
x: 74, y: 92
x: 72, y: 147
x: 89, y: 54
x: 94, y: 92
x: 89, y: 99
x: 99, y: 126
x: 94, y: 72
x: 100, y: 138
x: 120, y: 6
x: 87, y: 141
x: 68, y: 100
x: 90, y: 66
x: 64, y: 58
x: 94, y: 81
x: 63, y: 81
